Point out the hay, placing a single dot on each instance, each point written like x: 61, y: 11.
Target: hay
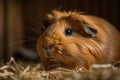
x: 34, y: 71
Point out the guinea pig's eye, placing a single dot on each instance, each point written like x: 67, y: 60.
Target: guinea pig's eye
x: 68, y: 32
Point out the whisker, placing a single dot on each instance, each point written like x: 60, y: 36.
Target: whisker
x: 36, y: 26
x: 34, y: 30
x: 19, y: 42
x: 32, y: 47
x: 30, y: 37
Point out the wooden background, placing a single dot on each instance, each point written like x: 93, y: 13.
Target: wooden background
x: 17, y: 17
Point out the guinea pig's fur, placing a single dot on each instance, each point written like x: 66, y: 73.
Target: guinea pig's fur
x: 74, y: 39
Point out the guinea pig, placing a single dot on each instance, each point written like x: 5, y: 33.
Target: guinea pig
x: 74, y: 39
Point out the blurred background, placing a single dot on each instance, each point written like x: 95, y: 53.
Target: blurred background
x: 19, y: 19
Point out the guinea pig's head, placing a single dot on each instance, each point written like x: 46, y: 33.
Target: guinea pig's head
x: 65, y: 38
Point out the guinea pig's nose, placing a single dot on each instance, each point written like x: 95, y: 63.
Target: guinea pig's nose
x: 47, y: 49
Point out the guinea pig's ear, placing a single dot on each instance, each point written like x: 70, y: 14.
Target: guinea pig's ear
x: 88, y: 29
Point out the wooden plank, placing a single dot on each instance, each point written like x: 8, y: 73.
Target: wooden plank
x: 1, y: 28
x: 15, y: 25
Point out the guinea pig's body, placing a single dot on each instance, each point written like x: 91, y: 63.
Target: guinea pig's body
x: 73, y: 39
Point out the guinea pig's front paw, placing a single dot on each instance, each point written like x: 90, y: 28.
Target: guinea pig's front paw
x: 51, y: 64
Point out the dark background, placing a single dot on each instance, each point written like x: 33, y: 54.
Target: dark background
x: 18, y: 17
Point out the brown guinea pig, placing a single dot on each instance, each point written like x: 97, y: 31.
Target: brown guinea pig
x: 73, y: 39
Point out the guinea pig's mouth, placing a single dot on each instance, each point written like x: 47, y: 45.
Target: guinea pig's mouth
x: 51, y: 57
